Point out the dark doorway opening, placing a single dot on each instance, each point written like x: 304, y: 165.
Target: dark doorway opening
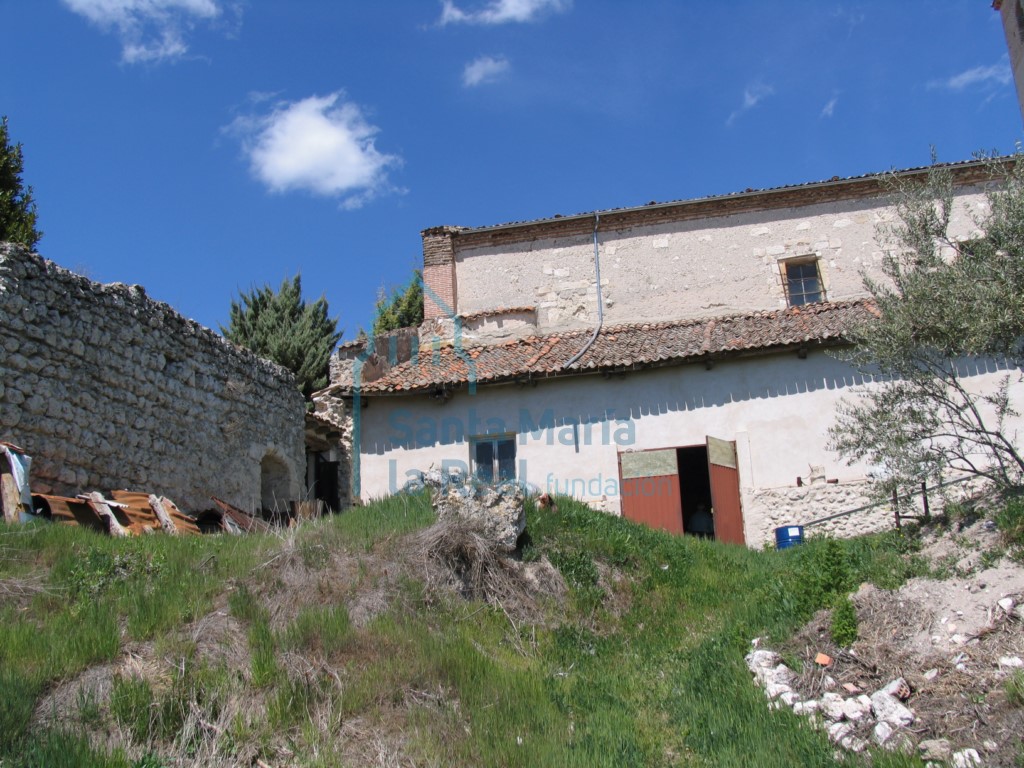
x: 325, y: 481
x: 695, y: 491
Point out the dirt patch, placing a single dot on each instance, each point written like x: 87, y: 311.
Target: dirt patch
x: 955, y: 641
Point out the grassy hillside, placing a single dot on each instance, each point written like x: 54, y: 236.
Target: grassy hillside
x: 343, y: 643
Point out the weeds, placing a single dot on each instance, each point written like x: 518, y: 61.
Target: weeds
x: 1014, y: 687
x: 1010, y: 522
x: 642, y: 666
x: 326, y: 630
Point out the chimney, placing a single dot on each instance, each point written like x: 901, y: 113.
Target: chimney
x: 440, y: 295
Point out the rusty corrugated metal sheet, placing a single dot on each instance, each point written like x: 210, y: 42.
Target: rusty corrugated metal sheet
x: 141, y: 515
x: 63, y: 509
x: 130, y: 508
x: 243, y: 520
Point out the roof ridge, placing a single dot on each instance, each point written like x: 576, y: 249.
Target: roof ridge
x: 956, y: 164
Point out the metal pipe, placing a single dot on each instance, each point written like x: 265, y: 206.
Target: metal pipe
x: 600, y: 298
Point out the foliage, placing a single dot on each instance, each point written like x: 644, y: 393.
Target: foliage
x: 844, y: 622
x: 282, y: 327
x: 17, y: 208
x: 404, y: 308
x: 946, y: 310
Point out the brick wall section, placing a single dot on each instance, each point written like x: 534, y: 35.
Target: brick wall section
x: 440, y: 295
x: 106, y: 388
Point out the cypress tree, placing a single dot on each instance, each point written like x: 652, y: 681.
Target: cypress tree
x: 280, y: 326
x: 17, y: 209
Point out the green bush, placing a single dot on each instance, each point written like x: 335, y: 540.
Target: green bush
x: 844, y: 623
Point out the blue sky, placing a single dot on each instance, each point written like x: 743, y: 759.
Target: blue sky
x: 200, y: 147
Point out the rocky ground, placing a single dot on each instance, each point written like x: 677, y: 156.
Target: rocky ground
x: 935, y: 664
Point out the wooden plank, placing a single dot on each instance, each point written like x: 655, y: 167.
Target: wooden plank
x: 184, y: 523
x: 166, y: 524
x: 140, y: 514
x: 10, y: 495
x: 10, y: 499
x: 98, y: 503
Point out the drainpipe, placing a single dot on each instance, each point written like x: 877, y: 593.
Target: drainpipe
x: 600, y: 299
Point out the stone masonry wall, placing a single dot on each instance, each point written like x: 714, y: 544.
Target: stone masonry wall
x: 106, y: 388
x: 766, y: 509
x: 689, y: 268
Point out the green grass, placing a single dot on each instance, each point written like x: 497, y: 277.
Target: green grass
x: 641, y: 666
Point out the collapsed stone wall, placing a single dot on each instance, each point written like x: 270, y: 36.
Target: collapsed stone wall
x: 106, y: 388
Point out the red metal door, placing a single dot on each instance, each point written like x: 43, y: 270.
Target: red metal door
x: 725, y: 490
x: 650, y: 489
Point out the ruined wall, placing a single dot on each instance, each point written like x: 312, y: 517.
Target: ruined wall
x: 700, y: 267
x: 337, y: 412
x: 107, y: 388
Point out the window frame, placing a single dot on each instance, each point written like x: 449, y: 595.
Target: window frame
x: 801, y: 298
x: 495, y: 440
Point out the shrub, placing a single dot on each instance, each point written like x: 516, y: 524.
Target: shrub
x: 844, y: 622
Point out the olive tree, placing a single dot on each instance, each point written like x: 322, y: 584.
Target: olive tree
x: 945, y: 311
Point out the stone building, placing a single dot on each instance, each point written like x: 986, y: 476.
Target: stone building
x: 652, y: 361
x: 106, y: 389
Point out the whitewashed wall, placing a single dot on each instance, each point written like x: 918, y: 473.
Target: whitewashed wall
x: 702, y: 267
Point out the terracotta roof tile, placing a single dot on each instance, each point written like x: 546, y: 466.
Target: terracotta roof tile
x: 624, y: 346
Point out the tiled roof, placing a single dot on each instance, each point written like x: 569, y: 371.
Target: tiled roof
x: 622, y: 347
x: 808, y: 185
x: 498, y: 312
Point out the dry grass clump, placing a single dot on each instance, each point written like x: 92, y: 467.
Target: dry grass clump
x: 458, y: 555
x: 20, y: 591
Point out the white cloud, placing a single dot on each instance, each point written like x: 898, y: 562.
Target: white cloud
x: 501, y: 11
x: 752, y: 95
x: 484, y: 69
x: 829, y: 109
x: 981, y: 76
x: 150, y: 30
x: 322, y: 144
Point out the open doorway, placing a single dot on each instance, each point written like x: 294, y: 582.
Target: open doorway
x: 687, y: 489
x: 695, y: 491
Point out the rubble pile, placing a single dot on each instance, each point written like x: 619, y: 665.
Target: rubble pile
x: 920, y: 712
